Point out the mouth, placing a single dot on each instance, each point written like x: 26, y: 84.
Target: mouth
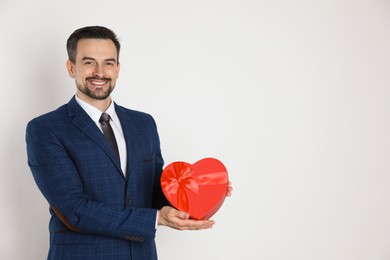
x: 98, y: 82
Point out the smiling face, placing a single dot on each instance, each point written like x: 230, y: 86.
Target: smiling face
x: 95, y: 69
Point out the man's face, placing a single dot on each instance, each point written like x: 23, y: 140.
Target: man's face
x: 96, y: 68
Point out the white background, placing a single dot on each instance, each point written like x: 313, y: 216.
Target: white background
x: 293, y: 96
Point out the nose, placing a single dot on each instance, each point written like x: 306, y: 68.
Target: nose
x: 98, y: 72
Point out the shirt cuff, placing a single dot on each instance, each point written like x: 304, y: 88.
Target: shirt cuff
x: 158, y: 213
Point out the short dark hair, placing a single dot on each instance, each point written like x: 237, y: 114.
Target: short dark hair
x: 90, y: 32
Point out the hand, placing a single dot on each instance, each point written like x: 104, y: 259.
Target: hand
x: 229, y: 189
x: 170, y: 217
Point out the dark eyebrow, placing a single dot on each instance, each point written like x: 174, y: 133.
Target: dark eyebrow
x: 90, y: 58
x: 112, y: 59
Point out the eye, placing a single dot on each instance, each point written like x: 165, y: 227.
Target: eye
x: 88, y: 63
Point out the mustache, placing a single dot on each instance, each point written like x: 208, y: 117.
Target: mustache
x: 97, y: 78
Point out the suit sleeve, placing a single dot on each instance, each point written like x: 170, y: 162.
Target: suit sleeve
x: 56, y: 176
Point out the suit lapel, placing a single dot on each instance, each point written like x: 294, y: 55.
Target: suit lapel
x: 128, y: 132
x: 82, y: 121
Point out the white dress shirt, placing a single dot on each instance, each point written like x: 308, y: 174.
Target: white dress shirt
x: 95, y: 114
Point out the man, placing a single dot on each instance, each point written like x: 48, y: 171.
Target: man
x: 99, y: 164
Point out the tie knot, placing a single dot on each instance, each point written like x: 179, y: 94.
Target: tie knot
x: 104, y: 118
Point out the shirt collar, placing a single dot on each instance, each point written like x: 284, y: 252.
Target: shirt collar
x: 95, y: 113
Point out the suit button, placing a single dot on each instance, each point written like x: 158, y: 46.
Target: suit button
x: 128, y: 200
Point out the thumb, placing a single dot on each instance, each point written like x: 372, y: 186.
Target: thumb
x: 183, y: 215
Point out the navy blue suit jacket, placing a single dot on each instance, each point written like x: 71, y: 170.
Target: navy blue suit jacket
x: 97, y: 213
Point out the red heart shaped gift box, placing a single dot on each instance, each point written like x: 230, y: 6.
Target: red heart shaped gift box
x: 198, y: 189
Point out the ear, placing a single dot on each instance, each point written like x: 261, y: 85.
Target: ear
x: 70, y: 68
x: 118, y: 69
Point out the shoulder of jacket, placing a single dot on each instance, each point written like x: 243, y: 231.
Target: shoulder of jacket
x: 50, y: 116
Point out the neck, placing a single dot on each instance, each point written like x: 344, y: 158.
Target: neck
x: 102, y: 105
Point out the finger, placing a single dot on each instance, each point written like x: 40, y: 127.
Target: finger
x: 194, y: 224
x: 229, y: 191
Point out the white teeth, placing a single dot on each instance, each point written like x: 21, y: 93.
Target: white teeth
x: 98, y: 82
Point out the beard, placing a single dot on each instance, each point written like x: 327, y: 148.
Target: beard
x: 98, y: 93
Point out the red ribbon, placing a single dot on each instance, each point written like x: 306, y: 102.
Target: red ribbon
x: 178, y: 182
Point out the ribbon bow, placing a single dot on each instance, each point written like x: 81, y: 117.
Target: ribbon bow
x: 178, y: 181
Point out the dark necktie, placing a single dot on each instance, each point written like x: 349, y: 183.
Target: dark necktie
x: 108, y: 133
